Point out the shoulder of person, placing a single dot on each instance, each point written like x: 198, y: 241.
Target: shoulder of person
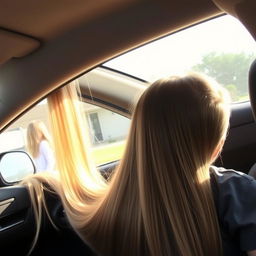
x: 234, y: 192
x: 44, y: 144
x: 235, y: 198
x: 229, y: 176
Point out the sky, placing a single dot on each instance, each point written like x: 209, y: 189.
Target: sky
x: 178, y: 52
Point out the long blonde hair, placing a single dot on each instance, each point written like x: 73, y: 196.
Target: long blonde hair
x: 159, y: 200
x: 36, y: 132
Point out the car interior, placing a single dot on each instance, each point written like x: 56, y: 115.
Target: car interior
x: 46, y: 44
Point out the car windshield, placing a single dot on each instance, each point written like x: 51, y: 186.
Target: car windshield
x: 221, y: 48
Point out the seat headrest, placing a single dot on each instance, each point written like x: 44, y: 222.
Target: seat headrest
x: 252, y: 87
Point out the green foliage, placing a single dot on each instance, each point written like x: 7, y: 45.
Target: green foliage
x: 233, y: 92
x: 229, y: 69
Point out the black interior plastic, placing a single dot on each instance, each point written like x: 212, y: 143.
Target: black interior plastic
x: 252, y: 87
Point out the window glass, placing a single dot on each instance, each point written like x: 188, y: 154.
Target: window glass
x: 221, y: 48
x: 107, y: 131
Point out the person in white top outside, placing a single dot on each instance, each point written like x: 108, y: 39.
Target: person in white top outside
x: 39, y: 146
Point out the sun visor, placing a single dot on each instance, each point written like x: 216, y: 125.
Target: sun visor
x: 15, y: 45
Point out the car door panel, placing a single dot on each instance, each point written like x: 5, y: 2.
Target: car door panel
x: 17, y: 227
x: 16, y: 221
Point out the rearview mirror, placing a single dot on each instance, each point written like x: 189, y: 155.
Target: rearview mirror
x: 15, y: 166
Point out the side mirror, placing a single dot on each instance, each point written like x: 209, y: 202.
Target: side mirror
x: 15, y: 166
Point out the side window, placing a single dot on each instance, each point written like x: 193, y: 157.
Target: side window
x: 14, y: 138
x: 220, y: 48
x: 96, y: 132
x: 107, y: 132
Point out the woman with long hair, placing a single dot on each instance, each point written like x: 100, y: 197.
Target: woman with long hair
x: 164, y: 198
x: 39, y: 146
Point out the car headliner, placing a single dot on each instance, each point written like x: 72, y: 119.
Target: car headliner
x: 44, y: 44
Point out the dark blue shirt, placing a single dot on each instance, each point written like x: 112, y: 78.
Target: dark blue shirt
x: 235, y: 199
